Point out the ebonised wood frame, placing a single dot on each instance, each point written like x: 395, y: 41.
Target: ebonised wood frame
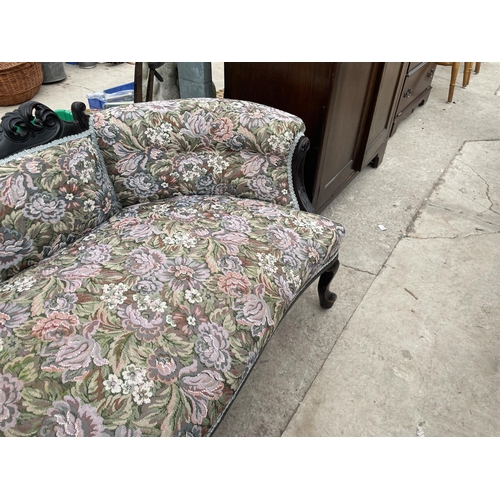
x: 326, y: 297
x: 34, y: 124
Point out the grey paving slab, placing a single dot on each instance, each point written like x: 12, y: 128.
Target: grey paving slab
x: 292, y: 359
x: 422, y: 350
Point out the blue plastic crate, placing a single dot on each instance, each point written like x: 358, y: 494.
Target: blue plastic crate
x: 100, y: 100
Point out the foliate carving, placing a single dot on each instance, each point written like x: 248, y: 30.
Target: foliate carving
x: 34, y: 124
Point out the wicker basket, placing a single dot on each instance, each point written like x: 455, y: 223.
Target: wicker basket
x: 19, y: 82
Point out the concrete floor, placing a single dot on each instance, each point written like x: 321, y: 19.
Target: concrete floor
x: 411, y: 348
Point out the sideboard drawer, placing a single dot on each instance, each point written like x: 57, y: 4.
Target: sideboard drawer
x: 417, y: 81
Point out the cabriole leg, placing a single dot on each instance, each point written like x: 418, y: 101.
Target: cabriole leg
x: 326, y: 297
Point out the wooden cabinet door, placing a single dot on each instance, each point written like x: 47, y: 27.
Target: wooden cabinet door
x: 390, y: 79
x: 344, y: 134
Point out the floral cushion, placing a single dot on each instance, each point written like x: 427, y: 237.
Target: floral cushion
x: 206, y: 146
x: 148, y: 325
x: 48, y: 197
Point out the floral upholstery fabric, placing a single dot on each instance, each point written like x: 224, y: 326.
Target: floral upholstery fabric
x: 49, y: 196
x: 148, y: 325
x: 199, y: 146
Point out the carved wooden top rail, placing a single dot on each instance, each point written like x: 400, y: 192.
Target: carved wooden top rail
x: 34, y: 124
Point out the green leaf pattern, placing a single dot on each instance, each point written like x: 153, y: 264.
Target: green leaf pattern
x: 160, y: 347
x: 49, y: 198
x: 148, y: 324
x: 198, y: 146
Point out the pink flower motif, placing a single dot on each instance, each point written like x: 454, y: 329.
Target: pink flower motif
x: 188, y: 319
x: 222, y: 129
x: 14, y: 246
x: 252, y: 310
x: 74, y: 355
x: 98, y: 119
x: 70, y: 418
x: 10, y: 394
x: 184, y: 273
x: 212, y: 346
x: 55, y: 326
x: 200, y: 387
x: 123, y: 431
x: 235, y: 223
x: 145, y: 261
x: 146, y: 325
x: 33, y: 166
x: 257, y: 163
x: 282, y: 238
x: 75, y: 274
x: 12, y: 191
x: 126, y: 223
x: 205, y: 385
x: 263, y: 187
x: 254, y: 117
x: 195, y: 125
x: 254, y: 164
x: 12, y: 316
x: 231, y: 240
x: 130, y: 160
x: 234, y: 284
x: 311, y: 252
x: 162, y: 367
x: 140, y: 232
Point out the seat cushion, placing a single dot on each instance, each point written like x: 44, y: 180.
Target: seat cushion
x: 49, y: 196
x: 149, y: 325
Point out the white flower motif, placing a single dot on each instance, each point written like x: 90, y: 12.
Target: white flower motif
x: 113, y: 384
x: 133, y: 375
x: 89, y: 206
x: 142, y: 393
x: 86, y: 175
x: 310, y: 224
x: 113, y: 294
x: 170, y: 321
x: 193, y: 296
x: 267, y: 262
x: 292, y: 278
x: 144, y: 302
x: 182, y: 239
x: 1, y: 344
x: 23, y: 284
x: 282, y: 142
x: 6, y: 286
x: 160, y: 134
x: 217, y: 163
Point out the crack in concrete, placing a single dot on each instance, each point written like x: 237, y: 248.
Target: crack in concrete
x: 486, y: 183
x: 457, y: 237
x: 360, y: 270
x: 411, y: 225
x: 460, y: 212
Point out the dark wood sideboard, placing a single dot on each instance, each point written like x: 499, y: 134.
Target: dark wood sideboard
x: 350, y: 110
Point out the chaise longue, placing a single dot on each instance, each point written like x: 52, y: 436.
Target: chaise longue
x: 148, y: 252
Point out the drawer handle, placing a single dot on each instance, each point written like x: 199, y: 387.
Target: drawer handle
x: 407, y: 93
x: 431, y: 73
